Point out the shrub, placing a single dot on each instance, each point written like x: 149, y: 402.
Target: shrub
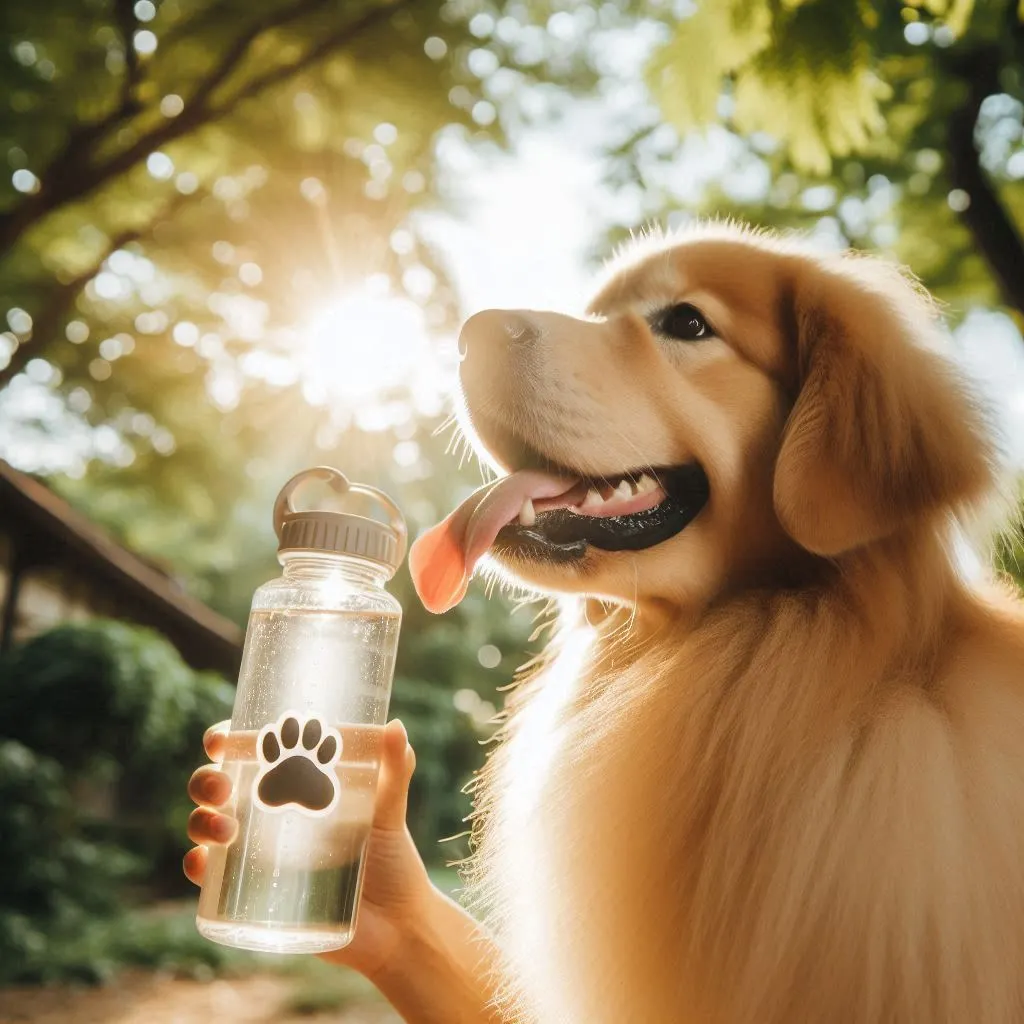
x: 54, y: 879
x: 98, y: 948
x: 105, y: 708
x: 106, y: 690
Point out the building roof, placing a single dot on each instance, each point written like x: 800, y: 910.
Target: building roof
x: 204, y: 638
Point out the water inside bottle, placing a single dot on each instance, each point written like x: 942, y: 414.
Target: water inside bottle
x: 290, y: 880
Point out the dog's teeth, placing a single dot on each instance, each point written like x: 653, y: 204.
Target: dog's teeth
x: 592, y: 499
x: 645, y: 485
x: 527, y: 515
x: 624, y: 490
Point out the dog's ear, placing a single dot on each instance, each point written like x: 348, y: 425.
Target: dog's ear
x: 880, y: 433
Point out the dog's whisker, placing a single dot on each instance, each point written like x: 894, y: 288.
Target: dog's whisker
x: 449, y: 421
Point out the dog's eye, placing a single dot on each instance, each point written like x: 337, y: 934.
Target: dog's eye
x: 683, y: 322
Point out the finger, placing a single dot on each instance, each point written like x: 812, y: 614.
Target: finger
x: 214, y: 740
x: 194, y: 864
x: 209, y: 786
x: 207, y: 826
x: 398, y: 761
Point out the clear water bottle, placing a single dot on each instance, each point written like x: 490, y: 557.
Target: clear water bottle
x: 304, y: 748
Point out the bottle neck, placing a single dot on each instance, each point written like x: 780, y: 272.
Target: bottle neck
x: 306, y: 565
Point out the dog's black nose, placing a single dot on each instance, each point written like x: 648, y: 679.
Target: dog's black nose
x: 494, y: 326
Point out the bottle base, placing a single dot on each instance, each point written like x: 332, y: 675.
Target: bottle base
x: 265, y: 939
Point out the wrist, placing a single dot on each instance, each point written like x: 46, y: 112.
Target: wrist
x: 444, y: 969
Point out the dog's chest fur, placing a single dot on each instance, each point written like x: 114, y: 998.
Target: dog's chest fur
x: 745, y: 828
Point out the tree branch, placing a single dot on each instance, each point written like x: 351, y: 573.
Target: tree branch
x: 237, y: 51
x: 60, y: 299
x: 78, y: 148
x: 124, y: 12
x: 317, y: 53
x: 72, y: 176
x: 991, y: 225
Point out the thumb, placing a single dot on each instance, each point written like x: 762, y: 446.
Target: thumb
x: 397, y: 763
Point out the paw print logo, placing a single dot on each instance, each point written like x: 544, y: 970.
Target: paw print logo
x: 297, y: 756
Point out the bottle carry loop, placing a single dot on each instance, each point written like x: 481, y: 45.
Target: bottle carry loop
x: 340, y: 532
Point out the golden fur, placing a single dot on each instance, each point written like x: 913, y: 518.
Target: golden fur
x: 772, y: 770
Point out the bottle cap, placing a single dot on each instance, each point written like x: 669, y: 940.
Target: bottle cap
x: 340, y: 533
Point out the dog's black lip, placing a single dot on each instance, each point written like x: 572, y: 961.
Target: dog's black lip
x: 563, y: 536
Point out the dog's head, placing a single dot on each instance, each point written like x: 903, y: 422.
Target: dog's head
x: 733, y: 406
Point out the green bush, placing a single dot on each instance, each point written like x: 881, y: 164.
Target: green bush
x: 106, y: 690
x: 54, y: 879
x: 117, y: 708
x: 99, y: 947
x: 105, y: 708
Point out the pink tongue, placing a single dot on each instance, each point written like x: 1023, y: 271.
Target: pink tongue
x: 442, y: 560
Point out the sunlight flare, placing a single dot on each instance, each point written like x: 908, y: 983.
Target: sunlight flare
x: 364, y: 347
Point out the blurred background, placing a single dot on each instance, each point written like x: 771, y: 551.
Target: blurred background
x: 237, y: 238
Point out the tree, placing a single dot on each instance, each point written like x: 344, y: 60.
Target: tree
x: 173, y: 209
x: 95, y: 716
x: 208, y: 117
x: 189, y: 181
x: 886, y: 126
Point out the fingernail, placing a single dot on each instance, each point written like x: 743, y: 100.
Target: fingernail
x: 221, y: 828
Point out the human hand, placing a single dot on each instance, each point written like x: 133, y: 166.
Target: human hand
x: 397, y: 892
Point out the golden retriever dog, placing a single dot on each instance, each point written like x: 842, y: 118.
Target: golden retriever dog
x: 772, y: 768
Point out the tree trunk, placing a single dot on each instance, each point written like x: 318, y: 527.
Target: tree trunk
x: 991, y: 225
x: 16, y: 568
x: 998, y: 239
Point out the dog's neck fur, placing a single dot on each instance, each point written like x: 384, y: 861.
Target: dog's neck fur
x: 898, y: 589
x: 759, y: 677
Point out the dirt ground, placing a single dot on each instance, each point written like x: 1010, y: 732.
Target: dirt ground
x: 146, y: 998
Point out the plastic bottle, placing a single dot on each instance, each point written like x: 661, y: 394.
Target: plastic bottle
x: 304, y: 748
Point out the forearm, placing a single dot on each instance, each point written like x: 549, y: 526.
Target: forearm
x: 448, y: 970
